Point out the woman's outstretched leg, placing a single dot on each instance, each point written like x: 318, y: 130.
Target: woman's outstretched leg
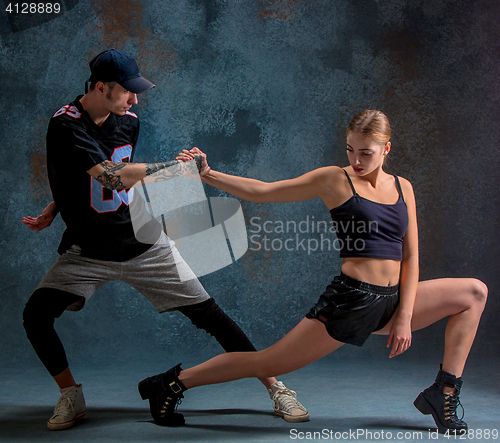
x: 208, y: 316
x: 306, y: 343
x: 463, y: 301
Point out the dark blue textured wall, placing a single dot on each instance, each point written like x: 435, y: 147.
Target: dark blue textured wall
x: 266, y: 88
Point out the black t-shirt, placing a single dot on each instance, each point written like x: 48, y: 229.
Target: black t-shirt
x: 97, y: 219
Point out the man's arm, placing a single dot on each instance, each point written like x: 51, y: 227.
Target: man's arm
x: 118, y: 176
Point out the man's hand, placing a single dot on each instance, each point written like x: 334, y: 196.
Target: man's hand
x: 195, y: 153
x: 44, y: 220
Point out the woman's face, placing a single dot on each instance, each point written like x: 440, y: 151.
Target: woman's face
x: 365, y: 155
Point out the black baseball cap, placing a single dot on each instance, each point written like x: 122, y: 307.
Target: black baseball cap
x: 118, y: 66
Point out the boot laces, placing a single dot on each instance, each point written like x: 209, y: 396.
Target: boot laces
x: 168, y: 404
x: 451, y: 402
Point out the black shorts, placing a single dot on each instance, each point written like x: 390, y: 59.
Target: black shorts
x: 354, y: 309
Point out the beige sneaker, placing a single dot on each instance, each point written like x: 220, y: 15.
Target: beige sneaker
x: 69, y: 408
x: 285, y: 403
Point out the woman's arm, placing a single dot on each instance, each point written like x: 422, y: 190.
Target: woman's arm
x: 400, y: 334
x: 305, y: 187
x: 316, y: 183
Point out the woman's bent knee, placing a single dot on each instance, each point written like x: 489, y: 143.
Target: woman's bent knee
x: 478, y: 291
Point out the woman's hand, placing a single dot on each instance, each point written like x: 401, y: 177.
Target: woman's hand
x: 399, y: 335
x: 186, y: 155
x: 44, y: 220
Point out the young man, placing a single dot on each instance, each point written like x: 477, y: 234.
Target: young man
x: 90, y: 149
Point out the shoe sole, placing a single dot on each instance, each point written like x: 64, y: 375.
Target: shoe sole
x: 292, y: 418
x: 425, y: 408
x: 69, y: 424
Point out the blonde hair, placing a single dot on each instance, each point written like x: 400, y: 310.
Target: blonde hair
x: 373, y: 124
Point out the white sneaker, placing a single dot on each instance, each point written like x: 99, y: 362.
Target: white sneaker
x: 285, y: 403
x: 69, y: 408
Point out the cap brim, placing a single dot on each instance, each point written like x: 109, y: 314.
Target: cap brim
x: 137, y: 85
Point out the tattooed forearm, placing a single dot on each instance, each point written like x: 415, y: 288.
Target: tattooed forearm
x: 166, y: 170
x: 113, y: 178
x: 110, y: 181
x: 111, y: 167
x: 109, y: 178
x: 174, y: 166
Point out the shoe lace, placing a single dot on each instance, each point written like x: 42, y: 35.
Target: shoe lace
x: 64, y: 405
x: 287, y: 399
x: 451, y: 402
x: 167, y: 404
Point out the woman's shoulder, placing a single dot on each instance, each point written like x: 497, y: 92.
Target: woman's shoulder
x: 405, y: 183
x: 330, y: 176
x: 406, y: 186
x: 333, y: 184
x: 332, y: 172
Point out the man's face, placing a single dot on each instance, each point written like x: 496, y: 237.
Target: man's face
x: 117, y: 99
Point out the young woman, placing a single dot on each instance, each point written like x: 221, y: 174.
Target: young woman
x: 377, y: 290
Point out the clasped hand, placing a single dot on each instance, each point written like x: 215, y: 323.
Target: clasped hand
x: 186, y: 155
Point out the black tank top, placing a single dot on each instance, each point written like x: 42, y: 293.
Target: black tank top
x: 369, y: 229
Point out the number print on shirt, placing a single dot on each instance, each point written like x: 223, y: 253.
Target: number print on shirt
x: 105, y: 200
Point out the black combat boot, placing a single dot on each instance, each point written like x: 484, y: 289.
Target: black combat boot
x: 164, y: 392
x: 443, y: 407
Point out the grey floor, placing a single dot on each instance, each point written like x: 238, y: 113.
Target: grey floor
x: 349, y: 398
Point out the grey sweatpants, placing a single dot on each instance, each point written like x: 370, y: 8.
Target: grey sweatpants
x: 155, y: 274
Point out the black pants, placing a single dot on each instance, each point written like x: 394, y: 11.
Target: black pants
x: 45, y: 305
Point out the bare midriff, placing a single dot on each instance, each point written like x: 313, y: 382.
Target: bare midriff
x: 376, y: 271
